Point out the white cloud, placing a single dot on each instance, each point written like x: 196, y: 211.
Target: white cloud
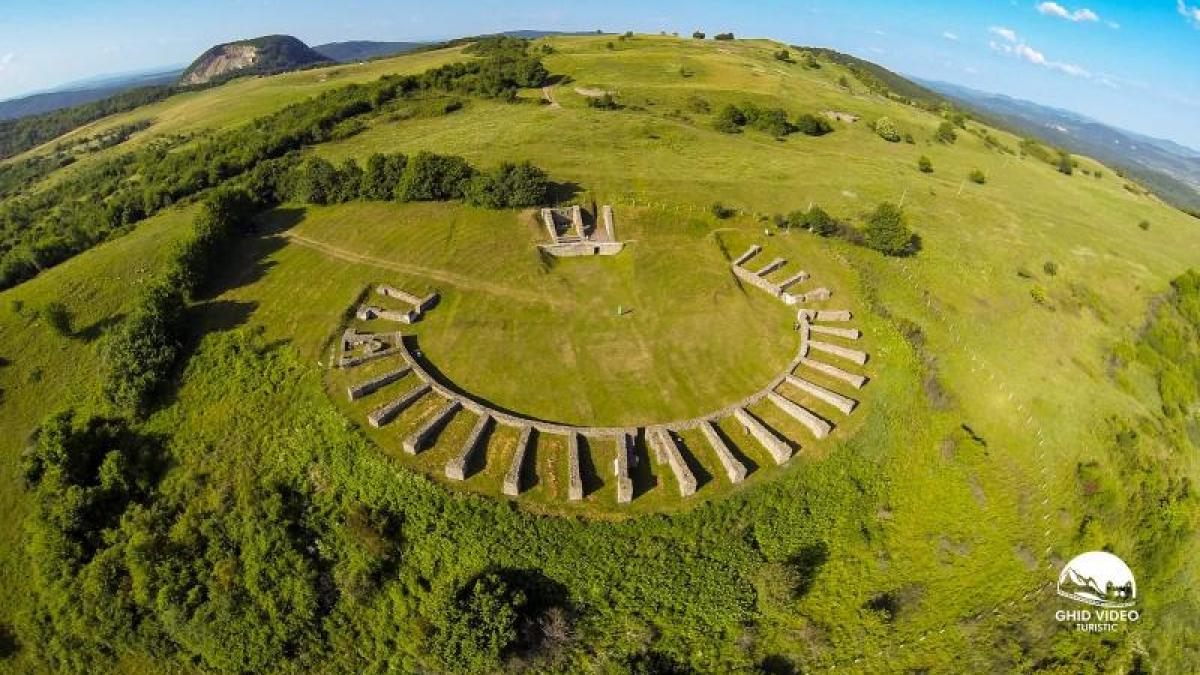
x: 1192, y: 14
x: 6, y: 59
x: 1055, y: 9
x: 1113, y: 25
x: 1006, y: 33
x: 1015, y: 46
x: 950, y: 36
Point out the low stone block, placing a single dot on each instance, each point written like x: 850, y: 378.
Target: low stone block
x: 833, y: 315
x: 357, y: 391
x: 418, y: 439
x: 574, y: 477
x: 512, y: 479
x: 839, y: 351
x: 388, y: 411
x: 621, y: 468
x: 668, y: 449
x: 774, y: 445
x: 848, y: 333
x: 852, y: 379
x: 750, y: 253
x: 842, y: 403
x: 734, y: 469
x: 817, y: 426
x: 456, y: 468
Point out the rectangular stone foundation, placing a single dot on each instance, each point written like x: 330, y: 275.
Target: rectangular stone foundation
x: 852, y: 379
x: 621, y: 468
x: 848, y: 333
x: 779, y: 451
x: 388, y: 411
x: 456, y: 468
x: 833, y: 315
x: 750, y: 253
x: 416, y: 440
x: 819, y: 427
x: 793, y: 280
x: 512, y: 479
x: 574, y: 477
x: 734, y: 469
x: 839, y: 351
x: 842, y: 403
x: 357, y: 391
x: 668, y: 449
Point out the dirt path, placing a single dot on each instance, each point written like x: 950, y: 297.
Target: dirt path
x: 548, y: 94
x: 442, y: 276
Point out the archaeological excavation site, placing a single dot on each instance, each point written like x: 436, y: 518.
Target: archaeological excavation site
x: 393, y: 389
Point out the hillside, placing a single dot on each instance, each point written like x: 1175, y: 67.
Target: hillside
x: 81, y: 93
x: 1173, y: 171
x: 211, y: 489
x: 257, y: 56
x: 362, y: 50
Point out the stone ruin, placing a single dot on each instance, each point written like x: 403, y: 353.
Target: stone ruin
x: 417, y: 306
x: 569, y: 236
x: 807, y: 386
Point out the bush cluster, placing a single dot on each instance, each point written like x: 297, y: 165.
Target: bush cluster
x: 731, y: 119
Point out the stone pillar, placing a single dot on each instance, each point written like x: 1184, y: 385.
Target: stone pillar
x: 574, y: 478
x: 793, y: 280
x: 842, y: 403
x: 621, y: 468
x: 668, y: 449
x: 388, y: 411
x: 512, y: 479
x: 779, y: 450
x: 456, y: 468
x: 577, y: 221
x: 771, y: 267
x: 852, y: 379
x: 416, y: 440
x: 819, y: 427
x: 734, y: 469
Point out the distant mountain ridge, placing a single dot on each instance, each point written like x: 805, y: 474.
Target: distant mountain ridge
x: 1170, y: 169
x: 257, y: 56
x: 87, y: 91
x: 363, y: 50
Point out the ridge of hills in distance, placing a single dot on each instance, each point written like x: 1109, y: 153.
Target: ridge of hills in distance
x: 593, y: 352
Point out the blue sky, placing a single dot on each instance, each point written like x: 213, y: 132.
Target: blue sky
x: 1135, y: 64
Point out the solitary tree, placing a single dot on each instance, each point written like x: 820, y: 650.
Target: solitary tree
x: 1065, y: 164
x: 977, y: 176
x: 699, y: 35
x: 886, y: 129
x: 925, y: 165
x: 945, y: 133
x: 887, y: 232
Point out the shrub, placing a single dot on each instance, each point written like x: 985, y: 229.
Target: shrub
x: 143, y: 349
x: 784, y: 55
x: 1065, y: 165
x: 1039, y: 294
x: 698, y: 105
x: 821, y: 223
x: 772, y: 121
x: 1050, y: 268
x: 925, y: 165
x: 809, y: 60
x: 509, y: 186
x: 945, y: 133
x: 723, y: 36
x: 812, y: 125
x: 886, y: 129
x: 977, y: 176
x: 480, y: 624
x: 58, y: 317
x: 1145, y: 225
x: 609, y: 46
x: 908, y: 138
x: 887, y: 232
x: 430, y: 177
x: 698, y: 35
x: 729, y: 119
x: 605, y: 101
x: 721, y: 211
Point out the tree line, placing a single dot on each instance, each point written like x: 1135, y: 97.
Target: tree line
x: 73, y: 215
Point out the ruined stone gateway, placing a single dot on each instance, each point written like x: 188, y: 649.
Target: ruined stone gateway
x: 814, y: 389
x: 568, y: 235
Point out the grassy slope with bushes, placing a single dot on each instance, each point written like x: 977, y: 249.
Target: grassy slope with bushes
x: 1016, y: 416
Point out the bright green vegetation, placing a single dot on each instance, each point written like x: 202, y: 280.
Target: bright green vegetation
x: 245, y: 519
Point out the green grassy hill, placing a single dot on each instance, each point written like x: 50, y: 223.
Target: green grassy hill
x: 1006, y: 428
